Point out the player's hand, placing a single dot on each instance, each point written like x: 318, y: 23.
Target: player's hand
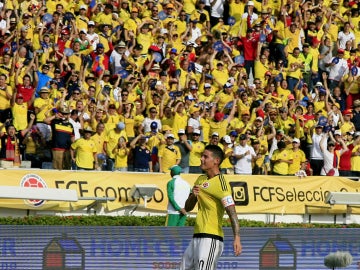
x: 237, y: 246
x: 196, y: 190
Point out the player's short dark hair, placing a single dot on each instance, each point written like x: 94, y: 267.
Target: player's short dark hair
x: 216, y: 151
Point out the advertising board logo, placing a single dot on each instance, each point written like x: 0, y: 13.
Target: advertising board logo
x: 34, y: 181
x: 240, y: 193
x: 278, y: 253
x: 64, y: 253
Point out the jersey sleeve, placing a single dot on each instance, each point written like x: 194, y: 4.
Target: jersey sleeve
x: 226, y: 195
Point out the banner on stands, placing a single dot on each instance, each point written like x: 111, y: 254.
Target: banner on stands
x: 252, y: 194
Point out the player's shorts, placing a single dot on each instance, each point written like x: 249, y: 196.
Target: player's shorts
x: 202, y: 254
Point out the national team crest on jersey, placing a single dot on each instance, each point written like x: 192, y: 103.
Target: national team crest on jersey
x: 205, y: 185
x: 34, y: 181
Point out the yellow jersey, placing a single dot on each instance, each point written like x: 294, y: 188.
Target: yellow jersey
x: 85, y: 150
x: 43, y: 105
x: 293, y: 61
x: 236, y: 10
x: 226, y: 164
x: 221, y: 75
x: 121, y: 158
x: 219, y: 127
x: 355, y: 160
x: 112, y: 139
x: 205, y: 124
x: 99, y: 140
x: 195, y: 153
x: 19, y: 112
x: 180, y: 122
x: 347, y: 127
x: 281, y: 168
x: 214, y: 196
x: 169, y: 156
x: 298, y: 158
x: 5, y: 96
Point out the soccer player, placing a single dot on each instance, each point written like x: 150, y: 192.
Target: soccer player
x: 213, y: 194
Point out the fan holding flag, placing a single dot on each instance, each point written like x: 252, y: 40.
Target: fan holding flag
x: 355, y: 71
x: 100, y: 60
x: 331, y: 156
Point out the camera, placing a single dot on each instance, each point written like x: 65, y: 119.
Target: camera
x: 175, y: 94
x: 191, y: 67
x: 328, y: 128
x: 106, y: 90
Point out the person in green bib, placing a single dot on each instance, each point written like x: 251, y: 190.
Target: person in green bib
x: 178, y: 191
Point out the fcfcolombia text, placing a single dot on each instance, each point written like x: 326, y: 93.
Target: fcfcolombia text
x: 270, y: 194
x: 119, y: 193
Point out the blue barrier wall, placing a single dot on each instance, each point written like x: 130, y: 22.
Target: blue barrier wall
x: 106, y: 248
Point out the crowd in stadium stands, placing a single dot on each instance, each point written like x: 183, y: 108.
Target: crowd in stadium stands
x: 143, y: 85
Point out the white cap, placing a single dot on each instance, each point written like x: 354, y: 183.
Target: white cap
x: 83, y: 7
x: 337, y: 132
x: 192, y: 43
x: 121, y: 44
x: 319, y: 84
x: 357, y: 133
x: 259, y: 118
x: 227, y: 139
x: 155, y: 66
x: 228, y: 85
x: 163, y: 31
x: 197, y: 131
x: 91, y: 23
x: 170, y: 136
x: 207, y: 85
x: 215, y: 134
x: 231, y: 80
x: 181, y: 131
x: 83, y: 30
x: 189, y: 97
x: 250, y: 3
x: 296, y: 140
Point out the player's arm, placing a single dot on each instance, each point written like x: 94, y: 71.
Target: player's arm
x: 228, y: 203
x: 192, y: 199
x: 230, y: 210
